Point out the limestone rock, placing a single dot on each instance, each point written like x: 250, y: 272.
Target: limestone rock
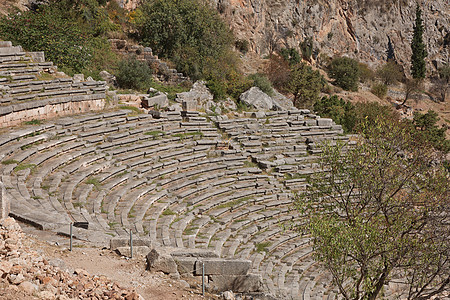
x: 256, y: 98
x: 280, y: 102
x: 108, y: 77
x: 157, y: 260
x: 198, y: 93
x: 160, y: 101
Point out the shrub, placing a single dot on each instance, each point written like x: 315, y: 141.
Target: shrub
x: 69, y: 33
x: 390, y: 73
x: 262, y: 82
x: 345, y: 72
x: 341, y: 111
x: 306, y: 46
x: 379, y: 90
x: 305, y: 84
x: 242, y: 45
x: 291, y: 55
x: 365, y: 73
x: 133, y: 74
x: 189, y: 32
x: 278, y: 71
x: 426, y: 128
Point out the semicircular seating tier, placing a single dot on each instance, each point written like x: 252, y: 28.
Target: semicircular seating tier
x: 183, y: 182
x: 187, y: 181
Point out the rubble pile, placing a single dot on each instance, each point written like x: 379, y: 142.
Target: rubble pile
x: 25, y: 272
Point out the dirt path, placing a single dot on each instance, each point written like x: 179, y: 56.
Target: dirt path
x: 128, y: 273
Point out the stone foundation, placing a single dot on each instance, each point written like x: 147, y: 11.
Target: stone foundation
x: 9, y: 117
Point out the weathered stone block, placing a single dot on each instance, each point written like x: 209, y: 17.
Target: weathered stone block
x: 185, y: 265
x: 324, y: 122
x: 249, y: 283
x: 220, y: 266
x: 189, y: 105
x: 4, y: 202
x: 158, y: 261
x: 160, y: 100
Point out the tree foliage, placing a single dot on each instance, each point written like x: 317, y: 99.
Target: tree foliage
x: 70, y: 33
x: 345, y: 72
x: 305, y: 84
x: 425, y: 125
x: 133, y: 74
x: 342, y: 112
x: 390, y: 73
x: 419, y: 52
x: 380, y: 213
x: 189, y: 32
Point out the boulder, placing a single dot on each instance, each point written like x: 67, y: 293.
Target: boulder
x: 280, y: 102
x: 158, y: 260
x: 160, y: 101
x: 249, y: 283
x: 256, y: 98
x: 189, y: 105
x: 108, y: 77
x: 137, y: 251
x: 78, y: 77
x: 199, y: 93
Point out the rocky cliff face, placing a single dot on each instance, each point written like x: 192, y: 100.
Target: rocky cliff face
x: 362, y: 29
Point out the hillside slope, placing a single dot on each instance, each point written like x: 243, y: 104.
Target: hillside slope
x: 358, y: 28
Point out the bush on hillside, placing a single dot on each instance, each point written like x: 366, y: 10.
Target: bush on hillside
x: 365, y: 73
x: 390, y: 73
x: 342, y: 112
x: 345, y: 72
x: 305, y: 84
x: 189, y: 32
x: 68, y: 33
x: 278, y: 72
x: 426, y: 128
x: 133, y: 74
x: 291, y: 56
x: 379, y: 90
x: 262, y: 82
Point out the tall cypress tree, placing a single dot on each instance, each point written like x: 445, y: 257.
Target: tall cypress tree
x: 418, y: 66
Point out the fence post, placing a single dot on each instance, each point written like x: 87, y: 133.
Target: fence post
x: 71, y: 236
x: 131, y: 243
x: 203, y: 278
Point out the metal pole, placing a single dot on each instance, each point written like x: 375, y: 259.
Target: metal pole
x: 71, y: 237
x: 131, y: 243
x: 203, y: 278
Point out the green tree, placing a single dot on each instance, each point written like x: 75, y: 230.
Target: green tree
x: 305, y: 84
x: 342, y: 112
x: 425, y: 124
x: 69, y: 32
x: 291, y: 55
x: 380, y: 214
x: 345, y: 72
x: 133, y: 74
x: 419, y: 52
x: 390, y: 73
x: 189, y: 32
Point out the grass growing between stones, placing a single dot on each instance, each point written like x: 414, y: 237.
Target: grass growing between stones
x: 21, y: 167
x: 186, y: 135
x: 168, y: 212
x: 233, y: 203
x: 190, y: 230
x: 155, y: 133
x: 250, y: 164
x: 9, y: 162
x: 95, y: 182
x: 134, y: 110
x: 262, y: 247
x: 33, y: 122
x: 112, y: 224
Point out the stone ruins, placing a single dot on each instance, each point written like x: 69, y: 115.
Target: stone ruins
x: 191, y: 187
